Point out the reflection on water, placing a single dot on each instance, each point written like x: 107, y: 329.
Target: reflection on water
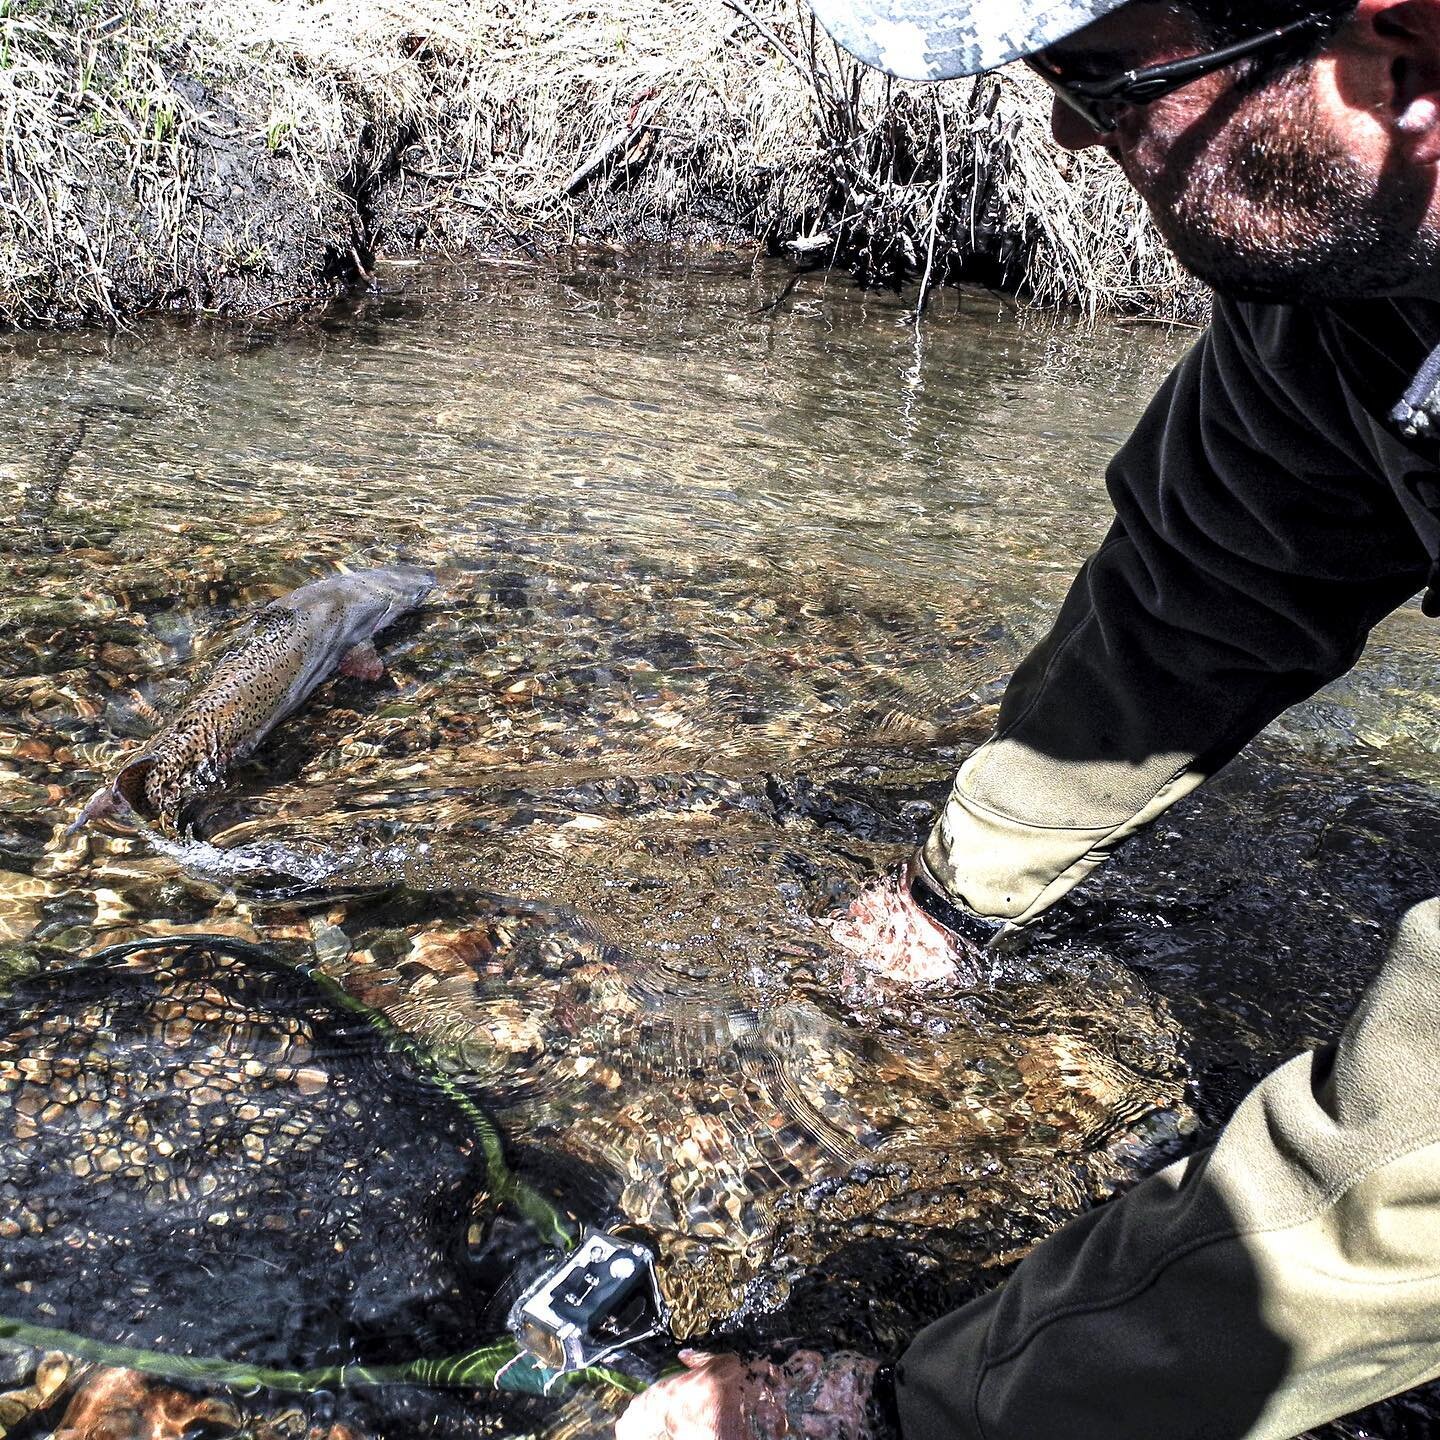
x: 725, y: 593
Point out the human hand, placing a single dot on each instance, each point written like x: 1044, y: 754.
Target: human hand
x: 889, y: 933
x: 807, y: 1396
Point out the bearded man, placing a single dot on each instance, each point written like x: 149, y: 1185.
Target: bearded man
x: 1281, y: 495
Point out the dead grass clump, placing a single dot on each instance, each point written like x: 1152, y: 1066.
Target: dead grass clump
x: 244, y: 154
x: 634, y: 119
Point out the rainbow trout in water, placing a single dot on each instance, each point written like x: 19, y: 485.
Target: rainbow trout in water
x: 292, y: 646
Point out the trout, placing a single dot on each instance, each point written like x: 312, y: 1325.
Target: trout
x: 284, y: 653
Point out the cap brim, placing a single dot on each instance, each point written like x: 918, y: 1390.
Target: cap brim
x: 940, y: 39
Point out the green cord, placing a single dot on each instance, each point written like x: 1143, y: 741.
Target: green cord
x: 506, y: 1185
x: 473, y: 1369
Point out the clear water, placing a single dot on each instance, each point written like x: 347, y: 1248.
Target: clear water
x: 727, y: 588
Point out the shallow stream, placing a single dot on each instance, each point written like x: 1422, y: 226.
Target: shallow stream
x: 731, y: 575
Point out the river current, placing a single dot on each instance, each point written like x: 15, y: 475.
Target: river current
x: 731, y: 573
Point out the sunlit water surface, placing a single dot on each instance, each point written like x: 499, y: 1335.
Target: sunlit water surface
x: 727, y: 588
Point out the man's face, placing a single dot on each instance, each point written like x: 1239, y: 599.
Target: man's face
x: 1276, y: 191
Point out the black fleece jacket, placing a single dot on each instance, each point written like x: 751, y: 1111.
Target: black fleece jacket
x: 1268, y: 514
x: 1273, y: 504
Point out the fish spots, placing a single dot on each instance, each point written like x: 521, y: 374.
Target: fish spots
x: 292, y: 646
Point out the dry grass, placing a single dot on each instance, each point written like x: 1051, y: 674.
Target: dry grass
x: 243, y: 153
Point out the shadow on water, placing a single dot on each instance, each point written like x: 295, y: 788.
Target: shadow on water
x: 724, y: 599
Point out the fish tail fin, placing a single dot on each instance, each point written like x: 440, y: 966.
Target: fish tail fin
x: 103, y: 802
x: 119, y: 798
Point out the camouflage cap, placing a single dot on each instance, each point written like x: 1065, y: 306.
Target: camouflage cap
x: 938, y: 39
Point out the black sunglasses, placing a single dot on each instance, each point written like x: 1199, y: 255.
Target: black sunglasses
x: 1099, y: 102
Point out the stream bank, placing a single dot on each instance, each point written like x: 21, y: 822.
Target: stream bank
x: 250, y: 157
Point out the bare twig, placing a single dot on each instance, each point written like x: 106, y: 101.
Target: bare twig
x: 766, y: 33
x: 618, y: 142
x: 782, y: 297
x: 941, y: 192
x: 1158, y: 320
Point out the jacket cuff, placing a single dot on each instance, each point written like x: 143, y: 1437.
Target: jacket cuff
x: 1005, y: 866
x: 937, y: 1380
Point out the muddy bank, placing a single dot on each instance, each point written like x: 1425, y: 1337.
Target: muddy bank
x: 247, y: 157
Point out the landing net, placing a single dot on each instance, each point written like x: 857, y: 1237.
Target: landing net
x: 215, y: 1165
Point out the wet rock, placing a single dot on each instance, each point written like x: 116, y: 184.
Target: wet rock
x: 17, y: 1363
x: 48, y: 1381
x: 124, y: 1405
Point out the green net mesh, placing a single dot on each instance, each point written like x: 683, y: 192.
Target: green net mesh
x: 202, y: 1155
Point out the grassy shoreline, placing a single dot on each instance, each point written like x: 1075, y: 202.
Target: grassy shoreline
x: 250, y: 156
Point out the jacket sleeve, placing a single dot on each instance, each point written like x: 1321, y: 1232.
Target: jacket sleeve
x: 1255, y: 544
